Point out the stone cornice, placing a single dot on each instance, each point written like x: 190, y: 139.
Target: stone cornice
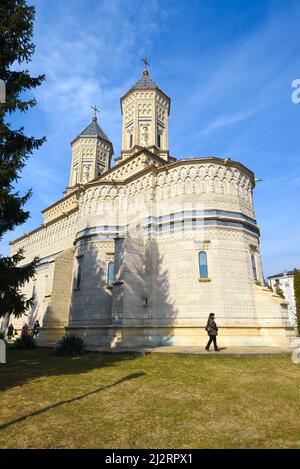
x: 140, y: 90
x: 212, y: 159
x: 25, y: 235
x: 45, y: 225
x: 94, y: 137
x: 177, y: 163
x: 74, y: 192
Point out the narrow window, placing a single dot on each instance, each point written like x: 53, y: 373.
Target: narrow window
x: 158, y: 139
x: 34, y: 298
x: 130, y: 141
x: 78, y: 277
x: 253, y: 267
x: 110, y: 273
x: 46, y: 285
x: 203, y: 271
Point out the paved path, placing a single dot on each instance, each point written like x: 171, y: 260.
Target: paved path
x: 192, y: 350
x: 228, y: 351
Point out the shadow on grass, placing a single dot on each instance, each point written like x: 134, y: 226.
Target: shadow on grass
x: 69, y: 401
x: 25, y: 365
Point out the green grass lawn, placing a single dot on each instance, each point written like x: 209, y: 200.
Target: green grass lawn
x: 152, y: 401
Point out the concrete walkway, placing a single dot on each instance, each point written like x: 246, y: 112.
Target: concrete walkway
x: 190, y: 350
x: 228, y: 351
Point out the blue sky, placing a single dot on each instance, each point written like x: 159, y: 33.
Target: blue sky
x: 228, y: 68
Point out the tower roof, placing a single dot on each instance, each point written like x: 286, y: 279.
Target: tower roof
x: 93, y: 130
x: 145, y: 83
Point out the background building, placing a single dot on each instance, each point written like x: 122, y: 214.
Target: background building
x: 285, y: 282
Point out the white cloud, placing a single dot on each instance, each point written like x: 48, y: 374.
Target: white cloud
x: 86, y: 56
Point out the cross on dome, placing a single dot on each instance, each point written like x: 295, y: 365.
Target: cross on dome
x: 147, y: 64
x: 95, y: 109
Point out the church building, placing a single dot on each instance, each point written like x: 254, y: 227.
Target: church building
x: 139, y: 253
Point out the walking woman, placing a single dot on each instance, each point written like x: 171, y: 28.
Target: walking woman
x: 212, y: 331
x: 24, y: 332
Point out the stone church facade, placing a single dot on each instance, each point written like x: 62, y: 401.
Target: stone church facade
x: 140, y: 253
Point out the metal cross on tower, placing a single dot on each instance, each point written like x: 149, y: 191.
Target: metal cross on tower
x: 146, y: 63
x: 95, y: 109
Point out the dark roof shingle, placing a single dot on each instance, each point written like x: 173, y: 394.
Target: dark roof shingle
x: 145, y: 82
x: 94, y: 129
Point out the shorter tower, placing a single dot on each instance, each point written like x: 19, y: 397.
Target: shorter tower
x: 145, y: 111
x: 92, y: 152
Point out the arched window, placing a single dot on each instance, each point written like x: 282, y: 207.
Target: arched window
x: 130, y: 140
x: 253, y: 267
x: 202, y: 258
x: 110, y: 273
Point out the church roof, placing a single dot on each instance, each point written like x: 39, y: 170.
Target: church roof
x: 288, y: 272
x: 145, y: 83
x: 93, y: 130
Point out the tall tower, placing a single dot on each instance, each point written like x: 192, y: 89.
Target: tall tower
x: 145, y: 110
x: 92, y: 152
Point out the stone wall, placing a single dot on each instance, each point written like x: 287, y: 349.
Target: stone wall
x: 91, y: 299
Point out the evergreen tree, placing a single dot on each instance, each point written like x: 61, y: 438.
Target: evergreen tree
x: 297, y: 296
x: 16, y: 47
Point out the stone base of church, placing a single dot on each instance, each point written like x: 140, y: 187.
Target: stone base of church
x: 135, y: 336
x: 155, y: 336
x: 51, y: 335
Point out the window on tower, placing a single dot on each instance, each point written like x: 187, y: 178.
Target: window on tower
x: 202, y: 260
x: 253, y: 267
x: 78, y: 277
x: 130, y: 140
x: 158, y: 139
x: 110, y: 273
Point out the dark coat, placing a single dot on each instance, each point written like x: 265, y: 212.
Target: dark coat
x: 211, y: 327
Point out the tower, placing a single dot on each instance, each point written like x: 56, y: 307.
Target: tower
x: 91, y: 154
x: 145, y: 110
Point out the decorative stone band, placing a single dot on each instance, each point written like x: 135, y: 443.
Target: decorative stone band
x: 200, y: 214
x: 47, y: 259
x: 180, y: 221
x: 44, y: 261
x: 198, y: 324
